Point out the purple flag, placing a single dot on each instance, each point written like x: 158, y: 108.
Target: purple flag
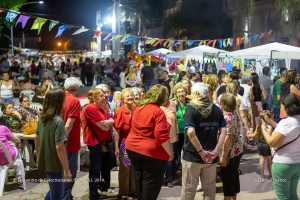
x: 23, y: 19
x: 109, y: 36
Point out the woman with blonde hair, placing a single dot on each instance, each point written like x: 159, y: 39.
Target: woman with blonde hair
x: 213, y: 81
x: 131, y: 78
x: 188, y: 85
x: 148, y: 143
x: 122, y: 125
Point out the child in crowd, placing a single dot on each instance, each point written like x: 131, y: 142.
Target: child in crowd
x: 263, y: 148
x: 39, y: 95
x: 16, y: 96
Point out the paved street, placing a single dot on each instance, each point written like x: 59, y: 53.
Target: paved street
x: 251, y: 189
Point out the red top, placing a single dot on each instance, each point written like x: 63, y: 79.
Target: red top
x: 122, y: 120
x: 148, y: 131
x: 94, y: 114
x: 72, y: 110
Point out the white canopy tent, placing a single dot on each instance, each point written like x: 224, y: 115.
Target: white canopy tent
x: 159, y: 52
x: 196, y: 52
x: 273, y: 50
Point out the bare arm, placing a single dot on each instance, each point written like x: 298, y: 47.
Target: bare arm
x: 62, y: 155
x: 168, y: 148
x: 103, y: 127
x: 243, y: 114
x: 116, y: 140
x: 264, y: 96
x: 69, y: 124
x: 16, y: 141
x: 273, y: 140
x: 294, y: 90
x: 220, y: 141
x: 251, y: 93
x: 171, y: 90
x: 226, y: 146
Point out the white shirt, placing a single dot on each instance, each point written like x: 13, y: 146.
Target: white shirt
x: 247, y: 94
x: 122, y: 79
x: 192, y: 70
x: 290, y: 128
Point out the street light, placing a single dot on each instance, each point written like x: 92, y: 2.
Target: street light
x: 59, y: 44
x: 12, y: 28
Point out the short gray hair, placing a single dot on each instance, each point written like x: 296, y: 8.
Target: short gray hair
x: 136, y: 90
x: 72, y: 84
x: 101, y: 86
x: 201, y: 88
x: 245, y: 78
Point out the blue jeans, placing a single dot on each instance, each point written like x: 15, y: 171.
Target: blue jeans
x: 169, y: 168
x: 148, y: 86
x: 94, y: 170
x: 98, y: 80
x: 276, y: 112
x: 6, y: 100
x: 73, y: 166
x: 56, y: 185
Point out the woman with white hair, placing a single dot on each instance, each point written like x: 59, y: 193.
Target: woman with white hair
x: 137, y: 94
x: 71, y: 116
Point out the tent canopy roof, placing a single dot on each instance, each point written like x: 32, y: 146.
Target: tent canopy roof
x: 196, y: 52
x: 158, y: 52
x: 279, y: 51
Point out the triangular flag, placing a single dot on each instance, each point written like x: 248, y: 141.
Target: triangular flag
x: 158, y: 42
x: 70, y: 26
x: 116, y: 37
x: 11, y: 15
x: 23, y: 19
x: 267, y: 33
x: 214, y: 43
x: 97, y: 33
x: 253, y: 38
x: 130, y: 39
x: 178, y: 42
x: 204, y: 42
x: 191, y: 43
x: 109, y: 35
x: 80, y: 31
x: 246, y: 40
x: 151, y: 42
x: 61, y: 29
x: 209, y: 42
x: 231, y: 42
x: 270, y: 32
x: 166, y: 43
x: 220, y: 43
x: 228, y: 42
x: 171, y: 43
x: 261, y: 35
x: 238, y: 40
x: 225, y: 43
x: 38, y: 23
x: 201, y: 42
x: 125, y: 37
x: 52, y: 24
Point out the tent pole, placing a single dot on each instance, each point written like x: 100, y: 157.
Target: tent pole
x: 270, y: 65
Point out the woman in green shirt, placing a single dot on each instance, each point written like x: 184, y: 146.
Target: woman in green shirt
x: 180, y: 94
x: 50, y: 140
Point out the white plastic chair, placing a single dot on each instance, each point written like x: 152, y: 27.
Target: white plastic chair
x: 84, y: 101
x: 36, y: 106
x: 29, y: 93
x: 4, y: 170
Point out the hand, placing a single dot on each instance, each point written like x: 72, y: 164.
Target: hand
x: 68, y: 175
x: 15, y: 113
x: 223, y: 161
x: 266, y: 128
x: 117, y: 153
x: 171, y: 157
x: 207, y: 156
x: 106, y: 123
x: 19, y: 145
x: 238, y: 102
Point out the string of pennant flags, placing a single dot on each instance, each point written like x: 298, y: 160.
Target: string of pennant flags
x: 127, y: 38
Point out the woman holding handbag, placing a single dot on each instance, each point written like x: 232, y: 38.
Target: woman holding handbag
x: 50, y: 140
x: 285, y: 142
x: 96, y: 125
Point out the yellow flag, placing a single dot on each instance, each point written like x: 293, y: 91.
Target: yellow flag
x: 38, y: 23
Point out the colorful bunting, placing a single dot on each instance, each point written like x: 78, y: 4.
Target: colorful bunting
x: 10, y: 16
x: 125, y: 37
x: 267, y: 33
x: 191, y: 43
x: 52, y: 24
x: 116, y: 37
x: 61, y: 29
x: 178, y: 42
x: 209, y: 42
x: 220, y: 43
x: 158, y: 42
x: 23, y: 19
x: 38, y: 23
x: 81, y: 30
x: 170, y: 43
x: 97, y: 33
x: 231, y: 42
x: 225, y: 43
x: 131, y: 39
x: 253, y: 38
x: 166, y: 43
x: 214, y: 43
x: 108, y: 36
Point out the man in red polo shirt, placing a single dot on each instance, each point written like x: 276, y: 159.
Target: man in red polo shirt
x: 71, y: 116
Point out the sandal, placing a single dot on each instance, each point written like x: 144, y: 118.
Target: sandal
x: 125, y: 197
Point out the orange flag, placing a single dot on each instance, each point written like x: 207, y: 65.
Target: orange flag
x: 97, y: 33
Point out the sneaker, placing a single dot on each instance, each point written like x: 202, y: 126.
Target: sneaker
x: 199, y: 188
x: 169, y: 183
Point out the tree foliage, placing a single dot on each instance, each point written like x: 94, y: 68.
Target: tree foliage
x: 8, y: 4
x: 196, y: 19
x: 287, y: 8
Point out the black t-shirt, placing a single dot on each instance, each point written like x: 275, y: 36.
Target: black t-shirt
x: 222, y: 90
x: 206, y: 131
x: 102, y: 69
x: 82, y: 67
x: 35, y: 81
x: 167, y: 85
x: 15, y: 69
x: 35, y: 99
x: 147, y: 72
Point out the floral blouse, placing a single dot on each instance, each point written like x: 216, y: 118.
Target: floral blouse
x: 232, y: 124
x: 25, y: 113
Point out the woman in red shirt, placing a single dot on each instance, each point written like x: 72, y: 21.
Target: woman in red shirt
x: 96, y: 125
x: 122, y: 119
x: 148, y: 143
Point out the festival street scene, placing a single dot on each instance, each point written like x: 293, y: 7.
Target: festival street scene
x: 149, y: 99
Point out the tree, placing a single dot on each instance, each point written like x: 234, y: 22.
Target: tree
x: 198, y: 19
x: 7, y: 4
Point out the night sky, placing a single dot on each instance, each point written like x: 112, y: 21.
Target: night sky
x: 75, y: 12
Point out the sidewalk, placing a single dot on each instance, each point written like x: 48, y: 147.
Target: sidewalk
x: 251, y: 188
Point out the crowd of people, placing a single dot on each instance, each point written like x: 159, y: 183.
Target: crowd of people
x: 155, y: 125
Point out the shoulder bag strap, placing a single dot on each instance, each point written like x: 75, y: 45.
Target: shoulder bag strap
x: 91, y: 128
x: 284, y: 146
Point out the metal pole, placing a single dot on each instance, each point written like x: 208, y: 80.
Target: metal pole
x: 23, y: 35
x: 12, y: 39
x: 98, y: 21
